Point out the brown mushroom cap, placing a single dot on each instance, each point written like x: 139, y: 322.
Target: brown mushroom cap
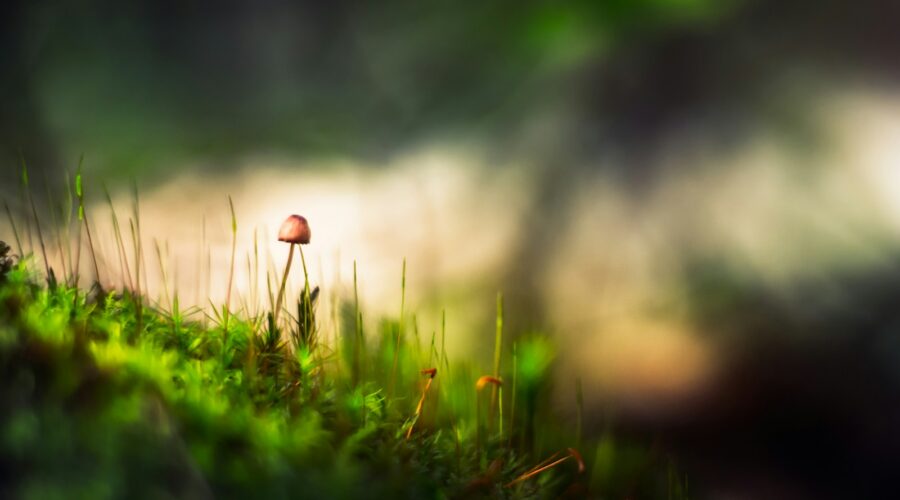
x: 295, y: 229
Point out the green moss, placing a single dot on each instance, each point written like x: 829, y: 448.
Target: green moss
x: 96, y: 404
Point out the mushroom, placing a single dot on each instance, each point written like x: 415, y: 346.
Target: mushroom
x: 294, y: 230
x: 479, y: 385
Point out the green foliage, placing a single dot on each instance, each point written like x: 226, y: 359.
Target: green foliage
x: 536, y: 355
x: 6, y: 261
x: 106, y: 396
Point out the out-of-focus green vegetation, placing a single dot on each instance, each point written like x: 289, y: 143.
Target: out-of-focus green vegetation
x: 105, y: 396
x: 148, y: 86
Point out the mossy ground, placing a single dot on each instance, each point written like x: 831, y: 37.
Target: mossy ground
x: 106, y: 396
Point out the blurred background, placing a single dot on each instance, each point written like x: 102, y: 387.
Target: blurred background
x: 698, y: 199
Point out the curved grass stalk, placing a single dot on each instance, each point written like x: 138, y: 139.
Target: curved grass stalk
x: 431, y: 372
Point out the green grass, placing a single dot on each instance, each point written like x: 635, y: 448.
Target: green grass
x: 109, y: 394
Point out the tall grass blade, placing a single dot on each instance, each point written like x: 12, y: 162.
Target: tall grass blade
x: 37, y: 221
x: 12, y: 224
x: 138, y: 294
x: 83, y: 218
x: 359, y: 345
x: 135, y: 224
x: 57, y: 233
x: 255, y: 275
x: 498, y: 345
x: 399, y: 328
x: 515, y: 381
x: 162, y: 271
x: 124, y: 268
x: 431, y: 373
x: 444, y: 340
x: 307, y: 300
x: 231, y: 262
x: 67, y: 225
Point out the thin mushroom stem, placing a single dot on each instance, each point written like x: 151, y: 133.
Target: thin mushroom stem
x: 287, y: 269
x: 305, y: 274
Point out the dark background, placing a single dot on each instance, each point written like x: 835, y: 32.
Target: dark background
x: 140, y: 84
